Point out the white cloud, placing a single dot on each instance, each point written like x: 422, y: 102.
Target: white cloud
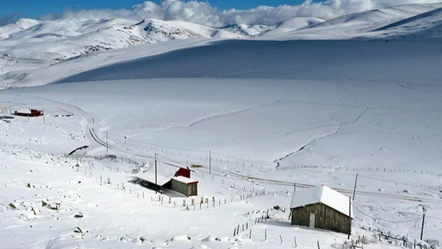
x: 204, y: 13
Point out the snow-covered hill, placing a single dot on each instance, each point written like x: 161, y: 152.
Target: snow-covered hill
x: 159, y: 31
x: 70, y: 38
x: 31, y: 44
x: 18, y: 26
x: 359, y: 24
x: 292, y: 25
x: 247, y: 30
x: 426, y: 25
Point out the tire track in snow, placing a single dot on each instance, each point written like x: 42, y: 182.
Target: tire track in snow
x: 231, y: 113
x: 90, y: 126
x: 311, y: 128
x: 209, y: 118
x: 341, y: 190
x: 310, y: 142
x: 378, y: 108
x: 96, y: 138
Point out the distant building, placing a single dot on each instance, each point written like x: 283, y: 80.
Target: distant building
x: 29, y: 113
x: 322, y: 207
x: 168, y: 177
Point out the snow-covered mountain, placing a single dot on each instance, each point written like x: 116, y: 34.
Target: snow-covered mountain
x: 158, y: 31
x: 76, y: 37
x: 426, y: 25
x: 361, y: 24
x: 31, y: 44
x: 247, y: 30
x: 292, y: 25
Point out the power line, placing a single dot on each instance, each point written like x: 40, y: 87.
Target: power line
x: 156, y: 145
x: 174, y: 161
x: 374, y: 178
x: 245, y: 160
x: 435, y: 218
x: 323, y: 172
x: 190, y: 150
x: 250, y: 161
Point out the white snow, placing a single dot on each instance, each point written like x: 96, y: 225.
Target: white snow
x: 31, y: 44
x: 267, y: 113
x: 149, y: 176
x: 184, y: 180
x: 322, y: 194
x: 426, y: 25
x: 363, y: 24
x: 27, y: 111
x: 163, y: 173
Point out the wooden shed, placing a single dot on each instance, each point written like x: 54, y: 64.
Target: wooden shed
x: 29, y: 113
x: 168, y: 177
x: 322, y: 207
x: 185, y: 186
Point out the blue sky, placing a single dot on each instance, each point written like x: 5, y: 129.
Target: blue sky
x: 37, y: 8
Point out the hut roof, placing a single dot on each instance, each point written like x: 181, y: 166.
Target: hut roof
x: 164, y: 174
x: 321, y: 194
x: 184, y: 180
x: 26, y: 111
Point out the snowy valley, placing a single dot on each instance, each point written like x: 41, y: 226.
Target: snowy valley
x: 253, y: 111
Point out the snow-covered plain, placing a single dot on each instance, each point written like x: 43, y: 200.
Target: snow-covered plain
x: 272, y: 113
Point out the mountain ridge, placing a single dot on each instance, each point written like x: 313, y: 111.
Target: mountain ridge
x: 31, y: 44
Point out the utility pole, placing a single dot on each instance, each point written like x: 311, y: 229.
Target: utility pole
x: 349, y: 214
x: 423, y: 223
x: 10, y: 110
x: 156, y: 183
x: 43, y: 112
x: 294, y: 187
x: 210, y: 162
x: 107, y: 142
x: 356, y: 182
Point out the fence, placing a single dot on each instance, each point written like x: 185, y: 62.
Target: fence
x: 218, y: 159
x: 403, y: 241
x: 85, y: 165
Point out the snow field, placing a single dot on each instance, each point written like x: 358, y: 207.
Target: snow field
x: 271, y: 113
x: 182, y: 131
x: 140, y: 211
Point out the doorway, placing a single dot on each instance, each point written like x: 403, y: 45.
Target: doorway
x: 312, y: 220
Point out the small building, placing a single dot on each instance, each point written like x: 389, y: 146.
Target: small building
x: 29, y: 113
x: 322, y: 207
x: 168, y: 177
x: 185, y: 186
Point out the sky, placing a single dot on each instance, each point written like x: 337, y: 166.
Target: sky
x: 37, y: 8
